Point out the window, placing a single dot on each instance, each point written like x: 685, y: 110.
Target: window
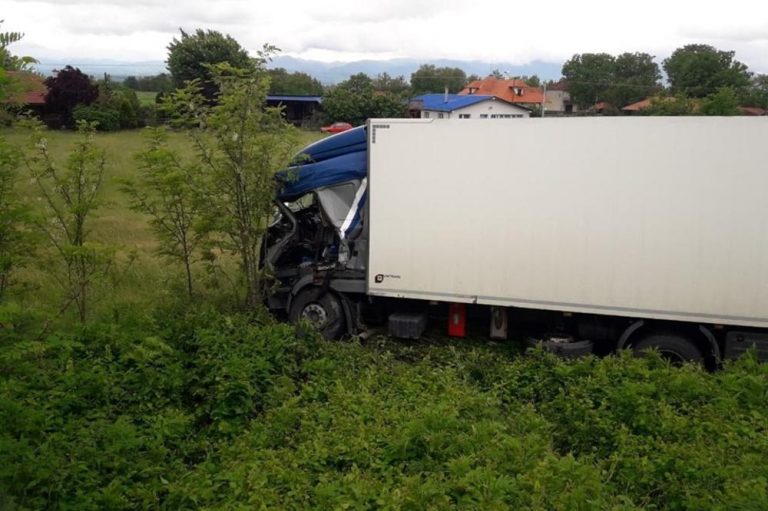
x: 465, y: 116
x: 426, y: 115
x: 483, y: 116
x: 440, y: 115
x: 518, y: 91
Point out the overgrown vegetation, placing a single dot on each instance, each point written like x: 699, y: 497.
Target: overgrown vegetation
x: 195, y: 409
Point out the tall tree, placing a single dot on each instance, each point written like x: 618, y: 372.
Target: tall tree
x: 67, y: 89
x: 619, y: 80
x: 589, y: 77
x: 429, y: 78
x: 635, y: 76
x: 191, y: 58
x: 396, y: 85
x: 756, y: 94
x: 355, y: 100
x: 533, y: 80
x: 293, y: 83
x: 496, y: 73
x: 698, y: 70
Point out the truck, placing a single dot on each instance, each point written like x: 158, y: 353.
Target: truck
x: 584, y: 234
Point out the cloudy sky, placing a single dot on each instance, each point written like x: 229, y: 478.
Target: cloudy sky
x: 510, y: 31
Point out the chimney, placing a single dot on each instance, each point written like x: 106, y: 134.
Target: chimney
x: 445, y: 98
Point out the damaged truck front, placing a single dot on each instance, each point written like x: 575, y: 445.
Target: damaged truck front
x: 316, y: 245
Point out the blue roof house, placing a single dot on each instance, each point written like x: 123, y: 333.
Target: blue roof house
x: 475, y: 106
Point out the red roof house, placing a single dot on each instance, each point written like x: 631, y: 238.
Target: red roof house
x: 512, y: 91
x: 31, y: 89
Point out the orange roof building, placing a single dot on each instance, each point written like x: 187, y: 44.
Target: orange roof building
x: 637, y: 106
x: 30, y: 91
x: 513, y: 91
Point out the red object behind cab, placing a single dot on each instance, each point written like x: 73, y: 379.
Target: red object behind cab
x: 457, y: 320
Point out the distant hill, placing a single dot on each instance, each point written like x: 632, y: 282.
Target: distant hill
x: 117, y: 69
x: 334, y: 72
x: 326, y: 72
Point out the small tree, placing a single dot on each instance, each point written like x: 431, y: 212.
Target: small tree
x: 70, y: 194
x: 240, y: 143
x: 429, y: 78
x: 395, y: 85
x: 294, y: 83
x: 723, y: 102
x: 168, y: 191
x: 355, y: 100
x: 670, y: 106
x: 191, y: 58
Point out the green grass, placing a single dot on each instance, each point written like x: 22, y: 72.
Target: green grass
x: 146, y: 98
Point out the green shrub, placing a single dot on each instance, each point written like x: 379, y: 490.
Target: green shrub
x: 194, y: 409
x: 107, y: 118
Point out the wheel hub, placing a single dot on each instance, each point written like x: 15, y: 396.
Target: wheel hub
x: 315, y: 314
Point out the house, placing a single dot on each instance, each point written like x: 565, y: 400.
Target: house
x: 455, y: 106
x: 29, y: 90
x: 753, y: 110
x: 557, y: 99
x: 513, y: 91
x: 635, y: 107
x: 302, y: 111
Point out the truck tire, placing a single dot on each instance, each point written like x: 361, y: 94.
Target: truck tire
x: 672, y: 347
x: 320, y: 308
x: 571, y: 349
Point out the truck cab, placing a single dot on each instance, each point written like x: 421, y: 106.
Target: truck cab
x: 316, y: 245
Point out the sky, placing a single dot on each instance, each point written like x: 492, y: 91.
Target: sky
x: 509, y: 31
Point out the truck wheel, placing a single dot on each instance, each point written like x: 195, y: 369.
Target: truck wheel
x: 320, y: 308
x: 568, y: 349
x: 675, y: 348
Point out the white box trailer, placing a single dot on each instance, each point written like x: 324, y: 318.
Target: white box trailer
x: 652, y: 217
x: 642, y: 231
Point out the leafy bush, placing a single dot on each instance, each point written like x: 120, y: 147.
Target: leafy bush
x: 200, y: 410
x: 107, y: 118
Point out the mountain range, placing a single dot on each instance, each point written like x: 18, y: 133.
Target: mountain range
x: 327, y: 72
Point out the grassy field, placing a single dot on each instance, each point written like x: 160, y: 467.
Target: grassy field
x: 147, y: 278
x: 146, y: 97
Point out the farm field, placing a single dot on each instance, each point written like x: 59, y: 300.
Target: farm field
x: 158, y: 403
x: 146, y: 278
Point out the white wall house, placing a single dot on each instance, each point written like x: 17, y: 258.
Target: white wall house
x: 453, y: 106
x: 557, y: 100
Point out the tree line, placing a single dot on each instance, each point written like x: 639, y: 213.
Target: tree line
x: 701, y: 79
